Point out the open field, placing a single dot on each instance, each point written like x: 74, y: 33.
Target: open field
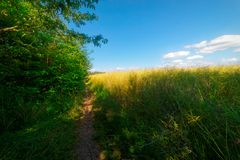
x: 59, y: 100
x: 168, y: 113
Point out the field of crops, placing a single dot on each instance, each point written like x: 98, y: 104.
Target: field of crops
x: 168, y: 113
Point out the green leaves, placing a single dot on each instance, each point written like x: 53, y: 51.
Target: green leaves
x: 41, y: 58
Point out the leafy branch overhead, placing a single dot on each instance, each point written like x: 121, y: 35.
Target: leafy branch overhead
x: 49, y: 15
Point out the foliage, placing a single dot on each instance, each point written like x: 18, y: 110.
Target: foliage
x: 169, y: 113
x: 52, y: 138
x: 43, y: 66
x: 41, y: 57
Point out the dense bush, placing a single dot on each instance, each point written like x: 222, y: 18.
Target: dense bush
x: 169, y: 114
x: 43, y: 70
x: 41, y: 59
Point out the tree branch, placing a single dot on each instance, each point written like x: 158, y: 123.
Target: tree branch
x: 9, y: 29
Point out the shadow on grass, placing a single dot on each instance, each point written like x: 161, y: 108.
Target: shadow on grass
x: 52, y: 138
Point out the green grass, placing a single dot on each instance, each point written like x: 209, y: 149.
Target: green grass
x: 169, y: 113
x: 52, y: 137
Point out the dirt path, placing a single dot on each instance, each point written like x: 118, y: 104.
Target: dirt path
x: 87, y: 149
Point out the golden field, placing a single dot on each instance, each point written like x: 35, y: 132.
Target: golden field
x: 191, y: 113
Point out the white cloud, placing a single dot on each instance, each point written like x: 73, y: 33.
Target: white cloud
x: 198, y: 45
x: 229, y: 60
x: 120, y: 68
x: 177, y: 61
x: 218, y: 44
x: 189, y: 63
x: 195, y: 57
x: 176, y: 54
x: 237, y: 50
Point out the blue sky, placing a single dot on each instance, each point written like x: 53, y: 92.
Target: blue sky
x: 155, y: 33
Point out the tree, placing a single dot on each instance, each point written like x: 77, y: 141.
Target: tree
x: 40, y: 56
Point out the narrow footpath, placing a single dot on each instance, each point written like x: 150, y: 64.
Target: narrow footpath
x: 87, y: 149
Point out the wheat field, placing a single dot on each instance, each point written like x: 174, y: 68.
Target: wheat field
x: 191, y: 113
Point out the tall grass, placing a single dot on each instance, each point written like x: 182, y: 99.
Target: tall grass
x: 53, y: 136
x: 169, y: 113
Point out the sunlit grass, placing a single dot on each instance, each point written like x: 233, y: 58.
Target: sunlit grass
x: 189, y: 113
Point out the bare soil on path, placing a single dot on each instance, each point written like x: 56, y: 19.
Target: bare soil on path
x: 86, y: 148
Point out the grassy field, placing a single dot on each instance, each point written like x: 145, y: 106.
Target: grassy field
x: 168, y: 113
x: 51, y: 137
